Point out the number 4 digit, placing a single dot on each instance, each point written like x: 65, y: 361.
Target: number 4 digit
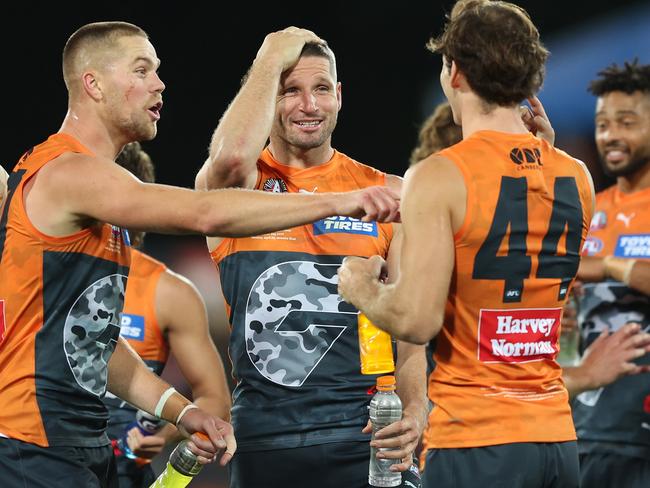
x: 511, y: 218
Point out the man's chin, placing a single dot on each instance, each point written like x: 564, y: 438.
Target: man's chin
x: 625, y: 168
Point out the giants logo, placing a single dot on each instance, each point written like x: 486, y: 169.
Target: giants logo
x: 518, y: 335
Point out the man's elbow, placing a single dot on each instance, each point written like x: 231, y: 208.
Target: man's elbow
x: 227, y: 171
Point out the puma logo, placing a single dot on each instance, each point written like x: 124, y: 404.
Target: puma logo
x: 626, y: 219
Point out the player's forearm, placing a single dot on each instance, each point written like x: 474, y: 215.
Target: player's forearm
x: 634, y: 273
x: 131, y: 380
x: 411, y: 378
x: 577, y: 380
x: 240, y: 213
x: 244, y: 128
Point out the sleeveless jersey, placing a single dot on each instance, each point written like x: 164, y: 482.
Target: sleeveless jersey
x: 139, y: 326
x: 61, y: 298
x: 294, y: 344
x: 516, y: 254
x: 620, y: 412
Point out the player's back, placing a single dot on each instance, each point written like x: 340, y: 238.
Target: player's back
x: 516, y: 254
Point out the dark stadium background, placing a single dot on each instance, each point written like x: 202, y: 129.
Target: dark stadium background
x: 390, y: 84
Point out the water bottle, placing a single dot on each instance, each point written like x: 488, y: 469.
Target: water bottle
x: 181, y: 468
x: 385, y: 408
x: 147, y: 424
x: 375, y: 348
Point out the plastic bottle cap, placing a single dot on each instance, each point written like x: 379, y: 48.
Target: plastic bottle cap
x: 386, y: 382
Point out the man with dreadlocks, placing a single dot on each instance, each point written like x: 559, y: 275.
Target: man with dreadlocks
x: 613, y: 421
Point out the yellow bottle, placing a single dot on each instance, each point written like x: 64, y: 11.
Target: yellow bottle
x: 181, y: 468
x: 375, y: 348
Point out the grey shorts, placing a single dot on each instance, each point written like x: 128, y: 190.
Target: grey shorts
x: 517, y: 465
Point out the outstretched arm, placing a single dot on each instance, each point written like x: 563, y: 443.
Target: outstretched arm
x: 92, y: 188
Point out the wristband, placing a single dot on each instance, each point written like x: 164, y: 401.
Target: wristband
x: 186, y: 409
x: 627, y: 273
x: 618, y: 269
x: 163, y: 399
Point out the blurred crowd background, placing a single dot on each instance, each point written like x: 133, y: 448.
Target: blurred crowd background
x: 390, y: 85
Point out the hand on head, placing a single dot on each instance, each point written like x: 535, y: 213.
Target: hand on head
x: 286, y: 45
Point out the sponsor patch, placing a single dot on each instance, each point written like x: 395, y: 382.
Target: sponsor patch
x: 592, y: 246
x: 132, y: 327
x: 345, y: 225
x: 633, y: 246
x: 518, y: 335
x: 275, y: 185
x: 598, y: 221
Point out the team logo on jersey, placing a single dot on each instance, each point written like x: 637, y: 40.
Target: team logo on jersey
x: 91, y: 332
x: 598, y: 221
x: 633, y: 246
x: 344, y: 225
x: 518, y: 335
x: 592, y: 246
x: 132, y: 327
x: 275, y: 185
x: 529, y: 158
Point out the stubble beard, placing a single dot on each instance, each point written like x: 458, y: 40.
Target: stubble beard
x: 636, y: 162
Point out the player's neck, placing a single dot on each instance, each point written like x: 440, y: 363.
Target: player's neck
x: 296, y: 157
x: 88, y: 129
x: 476, y: 116
x: 638, y: 181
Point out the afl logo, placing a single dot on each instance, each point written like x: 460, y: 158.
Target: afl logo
x: 598, y: 221
x: 520, y: 155
x: 275, y: 185
x: 592, y: 246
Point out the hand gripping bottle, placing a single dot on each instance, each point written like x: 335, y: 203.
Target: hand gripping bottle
x: 181, y: 468
x: 385, y: 408
x: 147, y: 424
x: 375, y: 348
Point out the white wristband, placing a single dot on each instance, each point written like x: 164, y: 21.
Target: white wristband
x: 628, y: 271
x: 163, y: 399
x: 187, y: 407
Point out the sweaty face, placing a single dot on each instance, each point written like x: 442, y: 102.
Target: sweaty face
x: 308, y: 103
x: 132, y: 89
x: 623, y: 132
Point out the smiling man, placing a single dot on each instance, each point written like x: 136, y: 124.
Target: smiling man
x: 300, y: 403
x: 612, y: 421
x: 64, y: 262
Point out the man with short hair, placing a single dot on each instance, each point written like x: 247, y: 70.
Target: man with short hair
x: 493, y: 228
x: 300, y: 402
x: 64, y: 263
